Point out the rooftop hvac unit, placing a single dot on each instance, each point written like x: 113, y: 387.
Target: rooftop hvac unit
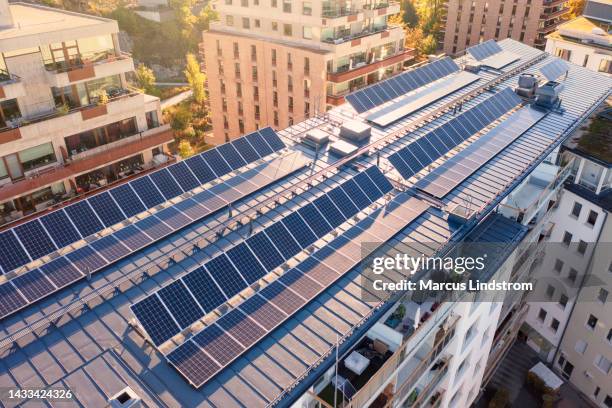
x: 527, y: 86
x: 547, y: 96
x: 356, y: 132
x: 315, y: 138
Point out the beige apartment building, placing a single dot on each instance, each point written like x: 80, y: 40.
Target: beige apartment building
x: 69, y: 122
x: 278, y: 62
x: 469, y: 22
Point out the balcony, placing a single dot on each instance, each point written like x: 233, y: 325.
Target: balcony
x: 553, y: 3
x: 549, y: 16
x: 99, y: 66
x: 381, y: 9
x: 11, y: 86
x: 88, y: 160
x: 364, y: 69
x: 548, y: 28
x: 343, y: 37
x: 338, y: 12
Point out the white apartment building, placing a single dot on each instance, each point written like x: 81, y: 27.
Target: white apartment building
x: 69, y: 121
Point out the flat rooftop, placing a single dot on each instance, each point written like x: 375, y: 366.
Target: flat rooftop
x: 581, y: 28
x: 99, y: 349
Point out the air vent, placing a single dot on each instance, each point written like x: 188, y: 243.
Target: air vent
x: 126, y: 398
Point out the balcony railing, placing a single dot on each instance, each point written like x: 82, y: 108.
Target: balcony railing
x: 87, y: 60
x: 554, y: 14
x: 355, y: 72
x: 367, y: 32
x: 338, y: 12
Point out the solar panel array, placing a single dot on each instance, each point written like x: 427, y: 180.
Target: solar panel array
x: 35, y: 239
x: 449, y: 175
x: 218, y: 280
x: 384, y: 91
x: 484, y: 50
x: 554, y: 69
x: 435, y: 144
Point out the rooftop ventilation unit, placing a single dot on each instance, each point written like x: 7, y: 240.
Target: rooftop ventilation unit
x: 315, y: 138
x: 547, y: 96
x: 527, y: 86
x: 342, y: 148
x: 356, y: 132
x: 126, y: 398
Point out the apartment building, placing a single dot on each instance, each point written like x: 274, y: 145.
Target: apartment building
x: 69, y: 121
x: 278, y: 62
x: 528, y: 21
x: 585, y: 40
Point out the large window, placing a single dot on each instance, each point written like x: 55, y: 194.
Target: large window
x: 9, y: 112
x: 73, y: 54
x: 86, y: 93
x: 37, y: 156
x: 100, y: 136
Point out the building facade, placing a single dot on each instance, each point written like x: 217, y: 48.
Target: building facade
x: 471, y: 22
x: 275, y: 63
x: 70, y: 122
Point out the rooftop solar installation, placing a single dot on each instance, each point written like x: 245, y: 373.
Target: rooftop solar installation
x: 435, y: 144
x: 484, y: 50
x: 449, y: 175
x: 554, y: 69
x: 384, y: 91
x: 246, y: 263
x: 422, y: 98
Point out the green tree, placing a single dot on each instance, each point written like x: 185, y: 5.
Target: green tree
x: 207, y: 15
x: 146, y: 79
x: 185, y: 149
x: 575, y: 8
x: 429, y: 45
x: 181, y: 119
x: 196, y: 78
x: 409, y: 14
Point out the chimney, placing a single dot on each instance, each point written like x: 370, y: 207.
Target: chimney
x: 6, y: 18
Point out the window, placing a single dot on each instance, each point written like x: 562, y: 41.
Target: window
x: 37, y: 156
x: 563, y: 53
x: 603, y: 363
x: 275, y: 99
x: 306, y: 66
x: 287, y: 30
x: 236, y: 51
x: 274, y: 3
x: 257, y: 23
x: 229, y: 20
x: 253, y: 53
x: 550, y: 291
x: 275, y: 118
x: 576, y: 209
x: 567, y: 238
x: 558, y: 266
x: 592, y: 322
x: 289, y: 61
x: 581, y: 346
x: 256, y: 2
x: 563, y: 301
x: 152, y: 119
x: 542, y: 315
x: 306, y: 109
x: 307, y: 32
x: 603, y: 295
x: 586, y: 60
x: 9, y: 111
x: 273, y: 57
x: 573, y: 274
x: 287, y: 6
x: 254, y: 73
x: 582, y: 247
x: 274, y: 26
x: 307, y: 8
x: 554, y: 325
x: 241, y: 125
x: 237, y: 70
x: 244, y: 3
x: 592, y: 218
x: 257, y: 112
x: 290, y: 107
x: 238, y: 89
x: 256, y: 93
x: 289, y: 83
x: 246, y: 23
x: 605, y: 66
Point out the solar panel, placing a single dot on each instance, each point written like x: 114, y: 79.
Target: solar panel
x: 384, y: 91
x: 452, y: 173
x: 33, y: 285
x: 554, y: 69
x: 368, y: 187
x: 216, y: 162
x: 246, y: 263
x: 127, y: 200
x: 218, y: 344
x: 110, y: 248
x: 327, y: 207
x: 241, y: 327
x: 12, y: 254
x: 379, y: 179
x: 60, y: 228
x: 272, y: 139
x: 259, y: 144
x: 265, y: 251
x: 226, y: 276
x: 315, y: 220
x: 84, y: 218
x: 355, y: 194
x: 147, y: 191
x: 35, y: 239
x: 10, y: 299
x: 204, y: 289
x: 60, y: 272
x: 245, y: 149
x: 132, y: 237
x: 184, y: 176
x: 166, y: 184
x: 231, y: 156
x: 192, y: 209
x: 282, y: 297
x: 283, y: 240
x: 86, y: 259
x: 484, y: 50
x: 155, y: 319
x: 180, y: 303
x: 173, y: 217
x: 107, y: 210
x: 199, y: 167
x: 193, y: 363
x: 343, y: 202
x: 262, y: 312
x: 298, y: 229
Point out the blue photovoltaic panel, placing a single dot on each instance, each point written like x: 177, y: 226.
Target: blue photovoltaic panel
x: 246, y: 263
x: 226, y: 276
x: 272, y: 138
x: 127, y: 200
x: 383, y: 184
x: 86, y: 259
x: 155, y: 319
x: 147, y: 191
x: 262, y: 311
x: 484, y: 50
x: 166, y: 184
x: 193, y: 363
x: 132, y: 237
x: 110, y: 248
x: 180, y: 303
x: 367, y: 186
x: 10, y: 299
x: 283, y: 240
x: 199, y: 167
x: 265, y: 251
x: 283, y: 298
x: 231, y: 156
x: 183, y: 176
x: 216, y: 162
x: 241, y: 328
x: 554, y: 69
x: 259, y: 144
x: 299, y: 229
x: 153, y: 227
x: 192, y: 209
x: 107, y: 210
x: 204, y: 289
x: 35, y: 239
x: 218, y: 344
x: 343, y: 202
x: 12, y: 255
x: 60, y: 228
x: 355, y: 194
x: 332, y: 214
x: 315, y: 220
x: 84, y: 218
x: 209, y: 200
x: 33, y: 285
x: 173, y: 217
x: 61, y: 272
x: 246, y: 150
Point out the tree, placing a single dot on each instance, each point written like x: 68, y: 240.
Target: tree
x: 185, y: 149
x: 207, y: 15
x: 409, y: 14
x: 575, y: 8
x: 429, y: 45
x: 181, y: 119
x: 146, y: 79
x: 196, y: 78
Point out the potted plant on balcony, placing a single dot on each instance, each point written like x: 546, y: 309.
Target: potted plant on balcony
x: 102, y: 97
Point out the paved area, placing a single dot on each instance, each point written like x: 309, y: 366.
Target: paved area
x: 512, y: 372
